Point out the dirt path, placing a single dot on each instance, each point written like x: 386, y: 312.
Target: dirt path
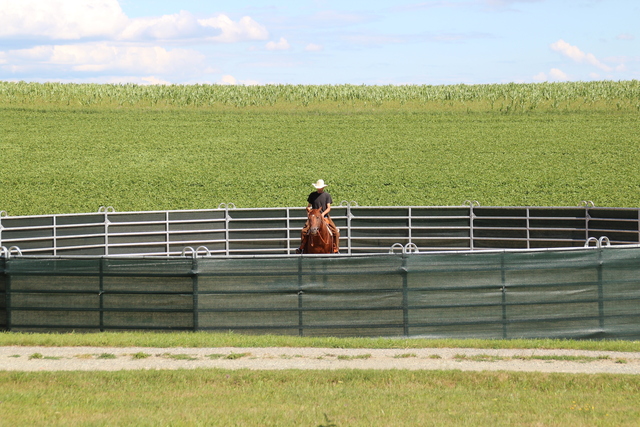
x: 110, y: 359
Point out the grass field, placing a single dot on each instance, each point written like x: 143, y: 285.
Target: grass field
x: 324, y: 398
x: 142, y: 156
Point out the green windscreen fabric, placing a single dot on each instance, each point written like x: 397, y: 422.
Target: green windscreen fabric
x: 588, y: 293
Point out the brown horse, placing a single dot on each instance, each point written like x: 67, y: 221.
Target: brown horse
x: 319, y: 238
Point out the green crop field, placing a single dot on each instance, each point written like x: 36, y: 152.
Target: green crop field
x: 72, y: 148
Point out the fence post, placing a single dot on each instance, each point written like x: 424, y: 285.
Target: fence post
x: 194, y: 282
x: 300, y: 317
x: 3, y: 266
x: 7, y: 297
x: 503, y: 279
x: 528, y: 229
x: 106, y: 210
x: 227, y: 219
x: 101, y: 292
x: 410, y: 224
x: 600, y: 291
x: 4, y: 213
x: 471, y: 204
x: 288, y: 231
x: 587, y: 204
x: 55, y: 235
x: 348, y: 204
x: 167, y: 235
x: 106, y: 233
x: 405, y: 295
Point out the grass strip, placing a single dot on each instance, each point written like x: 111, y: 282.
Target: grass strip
x: 293, y: 397
x: 479, y: 358
x: 181, y: 356
x: 355, y: 357
x: 560, y: 358
x: 212, y: 340
x: 234, y: 356
x: 140, y: 355
x: 107, y: 356
x: 566, y: 358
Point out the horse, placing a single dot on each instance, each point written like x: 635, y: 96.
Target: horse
x: 319, y: 238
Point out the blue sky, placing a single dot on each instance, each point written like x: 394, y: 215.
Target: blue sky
x: 372, y: 42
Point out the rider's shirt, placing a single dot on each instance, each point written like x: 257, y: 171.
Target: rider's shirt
x: 320, y: 200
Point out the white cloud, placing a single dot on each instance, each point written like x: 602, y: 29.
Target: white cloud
x: 104, y: 19
x: 281, y: 44
x: 95, y: 37
x: 123, y: 79
x: 555, y: 74
x: 153, y: 80
x: 100, y: 57
x: 312, y: 47
x: 61, y: 19
x: 230, y: 80
x: 540, y: 77
x: 575, y: 54
x: 175, y: 26
x: 245, y: 29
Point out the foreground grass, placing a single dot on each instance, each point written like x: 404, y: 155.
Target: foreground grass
x: 313, y: 398
x: 318, y: 398
x: 207, y: 339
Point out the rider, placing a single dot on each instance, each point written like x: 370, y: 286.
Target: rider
x: 320, y: 199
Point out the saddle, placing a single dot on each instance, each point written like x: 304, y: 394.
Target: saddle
x: 328, y: 228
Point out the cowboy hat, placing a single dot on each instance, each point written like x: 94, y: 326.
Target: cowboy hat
x: 319, y: 184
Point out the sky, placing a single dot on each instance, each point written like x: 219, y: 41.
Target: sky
x: 370, y: 42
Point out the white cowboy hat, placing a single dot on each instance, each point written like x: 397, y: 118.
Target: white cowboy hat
x: 319, y: 184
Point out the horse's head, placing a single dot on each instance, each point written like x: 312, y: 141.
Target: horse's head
x: 319, y: 239
x: 315, y: 221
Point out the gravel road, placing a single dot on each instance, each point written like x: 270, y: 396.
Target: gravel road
x: 15, y: 358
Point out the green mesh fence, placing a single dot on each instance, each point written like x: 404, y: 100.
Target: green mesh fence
x: 590, y: 293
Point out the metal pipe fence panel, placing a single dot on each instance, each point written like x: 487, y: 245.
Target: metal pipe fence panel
x: 364, y: 230
x: 586, y: 293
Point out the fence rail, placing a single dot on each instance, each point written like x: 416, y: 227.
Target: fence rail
x: 235, y: 231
